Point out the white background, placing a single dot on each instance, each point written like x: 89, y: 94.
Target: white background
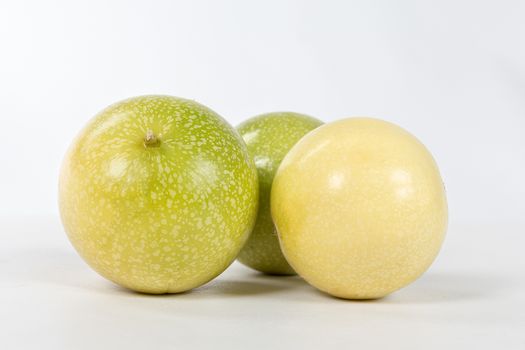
x: 451, y: 72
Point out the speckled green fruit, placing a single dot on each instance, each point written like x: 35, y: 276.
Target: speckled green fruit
x: 158, y: 194
x: 269, y: 137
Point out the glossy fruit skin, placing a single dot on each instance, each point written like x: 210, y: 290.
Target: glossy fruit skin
x: 360, y: 208
x: 269, y: 137
x: 164, y: 217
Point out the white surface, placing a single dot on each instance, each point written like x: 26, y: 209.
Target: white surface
x: 451, y: 72
x: 471, y: 298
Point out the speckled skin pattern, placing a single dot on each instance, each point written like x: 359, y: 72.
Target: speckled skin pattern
x: 360, y: 208
x: 269, y: 137
x: 162, y: 216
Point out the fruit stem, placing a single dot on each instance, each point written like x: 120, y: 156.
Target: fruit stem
x: 151, y: 140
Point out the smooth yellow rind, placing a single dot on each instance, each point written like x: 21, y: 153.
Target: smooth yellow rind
x: 360, y: 208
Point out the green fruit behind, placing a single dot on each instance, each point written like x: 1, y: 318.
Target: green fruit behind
x: 164, y: 216
x: 269, y: 137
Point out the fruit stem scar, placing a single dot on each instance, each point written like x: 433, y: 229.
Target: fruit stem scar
x: 151, y: 140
